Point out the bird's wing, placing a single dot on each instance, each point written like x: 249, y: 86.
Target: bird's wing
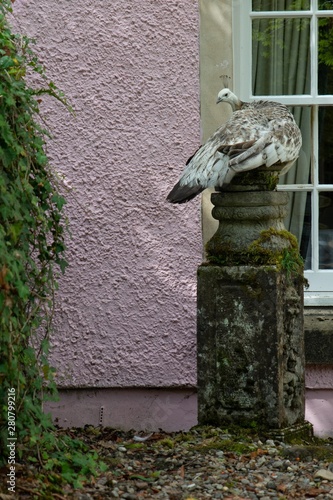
x: 272, y: 137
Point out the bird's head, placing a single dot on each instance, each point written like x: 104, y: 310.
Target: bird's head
x: 225, y: 95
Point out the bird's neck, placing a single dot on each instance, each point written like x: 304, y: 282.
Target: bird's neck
x: 236, y: 105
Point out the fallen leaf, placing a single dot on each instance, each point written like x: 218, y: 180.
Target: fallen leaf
x: 106, y: 444
x: 181, y: 472
x: 314, y: 492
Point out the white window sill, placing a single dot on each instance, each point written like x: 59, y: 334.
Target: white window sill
x: 324, y: 299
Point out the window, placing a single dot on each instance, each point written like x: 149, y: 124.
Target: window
x: 283, y: 50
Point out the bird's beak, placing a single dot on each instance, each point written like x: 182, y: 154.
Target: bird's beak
x: 218, y: 100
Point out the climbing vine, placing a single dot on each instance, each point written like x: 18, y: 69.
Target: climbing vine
x: 32, y: 247
x: 32, y: 229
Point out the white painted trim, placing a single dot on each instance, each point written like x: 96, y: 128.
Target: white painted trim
x: 242, y: 55
x: 297, y: 100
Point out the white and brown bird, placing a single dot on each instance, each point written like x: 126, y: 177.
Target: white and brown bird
x: 259, y: 133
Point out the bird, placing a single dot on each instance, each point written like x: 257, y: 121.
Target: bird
x: 258, y: 133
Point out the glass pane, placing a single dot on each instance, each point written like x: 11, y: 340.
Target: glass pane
x: 298, y: 222
x: 325, y: 55
x: 326, y: 230
x: 281, y: 56
x: 260, y: 5
x: 325, y: 122
x: 325, y: 4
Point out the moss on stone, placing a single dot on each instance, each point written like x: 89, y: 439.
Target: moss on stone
x: 167, y: 442
x: 273, y: 248
x: 258, y: 180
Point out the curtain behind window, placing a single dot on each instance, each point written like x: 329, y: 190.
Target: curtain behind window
x: 281, y: 66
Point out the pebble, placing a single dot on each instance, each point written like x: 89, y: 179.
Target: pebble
x: 271, y: 485
x: 191, y: 486
x: 324, y: 474
x: 140, y: 485
x: 278, y: 464
x: 102, y: 481
x: 261, y: 461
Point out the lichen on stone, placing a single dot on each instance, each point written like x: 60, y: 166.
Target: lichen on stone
x: 273, y: 248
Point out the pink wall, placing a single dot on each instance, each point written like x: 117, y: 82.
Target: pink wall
x: 319, y: 399
x: 126, y: 307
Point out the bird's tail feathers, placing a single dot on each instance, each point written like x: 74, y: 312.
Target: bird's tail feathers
x: 182, y: 194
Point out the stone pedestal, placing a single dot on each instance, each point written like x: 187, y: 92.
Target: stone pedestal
x: 250, y: 312
x: 250, y: 347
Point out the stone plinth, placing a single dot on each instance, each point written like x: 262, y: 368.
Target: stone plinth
x: 250, y: 312
x: 250, y: 346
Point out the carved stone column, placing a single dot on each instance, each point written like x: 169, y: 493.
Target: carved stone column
x: 250, y: 312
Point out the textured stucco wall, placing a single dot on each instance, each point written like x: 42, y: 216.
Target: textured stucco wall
x: 319, y: 399
x: 126, y: 308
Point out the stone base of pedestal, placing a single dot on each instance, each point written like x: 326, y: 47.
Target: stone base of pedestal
x: 250, y: 347
x: 294, y: 432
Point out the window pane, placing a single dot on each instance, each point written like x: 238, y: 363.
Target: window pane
x: 298, y: 222
x: 326, y: 230
x: 325, y: 4
x: 325, y: 120
x: 281, y: 56
x: 325, y: 55
x: 260, y: 5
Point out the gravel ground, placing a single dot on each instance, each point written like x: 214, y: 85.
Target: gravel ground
x: 203, y: 463
x: 214, y: 464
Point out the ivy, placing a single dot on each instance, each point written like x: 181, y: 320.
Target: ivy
x: 32, y: 255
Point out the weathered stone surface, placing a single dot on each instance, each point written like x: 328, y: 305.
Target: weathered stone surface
x: 243, y: 217
x: 250, y: 346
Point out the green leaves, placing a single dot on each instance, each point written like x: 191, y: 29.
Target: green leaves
x: 6, y: 62
x: 32, y: 249
x: 32, y: 246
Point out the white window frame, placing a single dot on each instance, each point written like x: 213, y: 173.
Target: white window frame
x: 320, y: 291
